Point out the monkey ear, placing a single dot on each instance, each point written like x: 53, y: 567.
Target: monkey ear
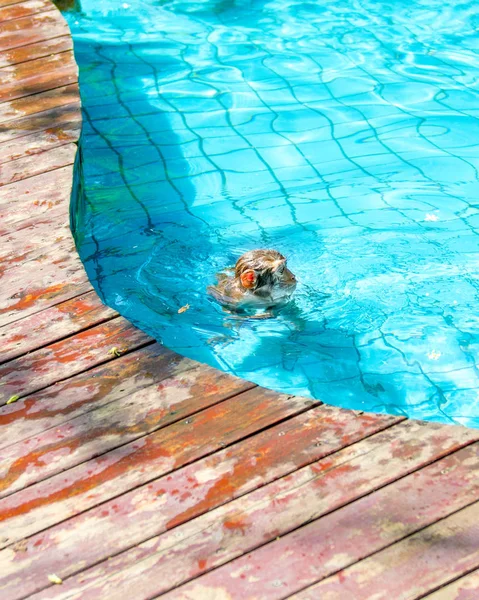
x: 248, y: 279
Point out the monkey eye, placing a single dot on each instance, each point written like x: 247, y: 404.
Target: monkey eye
x: 280, y: 269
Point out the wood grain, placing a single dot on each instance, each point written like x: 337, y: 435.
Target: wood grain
x: 28, y: 30
x: 191, y: 491
x: 465, y: 588
x: 52, y: 324
x: 88, y: 391
x: 63, y: 359
x: 167, y: 560
x: 24, y: 9
x: 340, y: 538
x: 409, y: 569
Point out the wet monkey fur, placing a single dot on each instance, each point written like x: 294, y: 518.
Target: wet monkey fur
x: 260, y: 280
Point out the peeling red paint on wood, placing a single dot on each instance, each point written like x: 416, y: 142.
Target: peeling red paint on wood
x: 88, y: 391
x: 188, y: 493
x: 8, y: 2
x: 165, y: 561
x: 338, y: 539
x: 36, y: 50
x: 36, y: 253
x: 36, y: 75
x: 113, y: 425
x: 29, y: 166
x: 36, y: 28
x: 45, y: 366
x: 39, y: 103
x: 24, y: 9
x: 33, y: 198
x: 52, y: 324
x: 141, y: 461
x: 39, y: 142
x: 409, y: 568
x: 465, y: 588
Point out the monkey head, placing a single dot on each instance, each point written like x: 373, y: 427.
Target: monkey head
x: 264, y: 273
x: 260, y: 280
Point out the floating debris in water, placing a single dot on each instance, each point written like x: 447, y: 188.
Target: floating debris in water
x: 184, y: 309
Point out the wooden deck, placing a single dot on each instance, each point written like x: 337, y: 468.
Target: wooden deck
x: 148, y: 475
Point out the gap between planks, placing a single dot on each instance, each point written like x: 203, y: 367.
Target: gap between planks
x: 343, y: 537
x: 325, y: 469
x: 273, y: 466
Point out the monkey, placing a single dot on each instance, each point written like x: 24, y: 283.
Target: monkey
x: 259, y: 280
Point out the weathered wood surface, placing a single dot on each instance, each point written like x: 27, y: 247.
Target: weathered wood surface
x: 36, y: 50
x: 165, y: 561
x: 52, y: 324
x: 89, y: 390
x: 39, y: 103
x: 28, y: 30
x: 332, y: 542
x: 408, y: 569
x: 190, y: 483
x: 28, y: 166
x: 465, y: 588
x: 195, y: 489
x: 34, y: 76
x: 45, y: 366
x: 23, y: 9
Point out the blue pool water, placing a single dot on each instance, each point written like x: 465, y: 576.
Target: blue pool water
x: 344, y: 134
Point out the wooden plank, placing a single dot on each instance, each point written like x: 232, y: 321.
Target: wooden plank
x: 63, y: 359
x: 52, y: 187
x: 55, y: 217
x: 52, y: 324
x: 43, y: 198
x: 465, y: 588
x: 38, y: 284
x: 412, y: 567
x: 9, y: 2
x: 39, y: 142
x: 24, y: 9
x: 114, y: 425
x: 111, y: 474
x: 191, y: 491
x: 26, y: 243
x: 88, y: 391
x: 333, y: 542
x: 29, y: 166
x: 61, y: 250
x: 62, y: 116
x: 166, y: 560
x: 37, y: 75
x: 28, y: 30
x: 29, y: 202
x: 37, y: 50
x: 32, y: 105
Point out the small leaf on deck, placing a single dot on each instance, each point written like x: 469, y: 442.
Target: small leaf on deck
x: 55, y: 579
x: 13, y: 399
x: 114, y: 352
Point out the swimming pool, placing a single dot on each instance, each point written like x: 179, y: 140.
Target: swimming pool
x: 343, y: 134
